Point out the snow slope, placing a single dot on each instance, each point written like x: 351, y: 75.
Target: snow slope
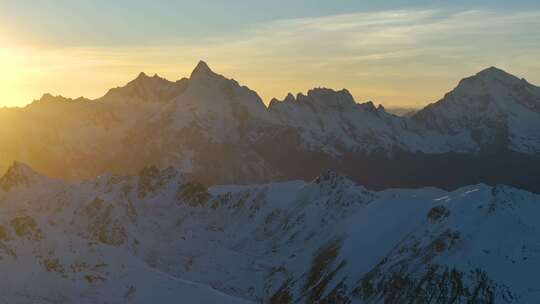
x: 59, y: 245
x: 132, y: 238
x: 331, y: 121
x: 491, y: 107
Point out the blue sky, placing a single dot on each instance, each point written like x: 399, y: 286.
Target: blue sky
x: 69, y: 22
x: 380, y: 50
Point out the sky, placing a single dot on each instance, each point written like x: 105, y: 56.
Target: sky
x: 396, y: 53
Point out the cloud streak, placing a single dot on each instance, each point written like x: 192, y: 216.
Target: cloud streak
x: 387, y: 56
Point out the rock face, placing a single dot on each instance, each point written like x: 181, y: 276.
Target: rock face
x: 161, y: 235
x: 218, y: 131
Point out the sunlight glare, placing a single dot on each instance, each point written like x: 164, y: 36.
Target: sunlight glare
x: 9, y: 78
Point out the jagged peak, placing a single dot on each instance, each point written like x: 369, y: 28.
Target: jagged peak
x: 202, y: 70
x: 328, y: 98
x: 368, y: 106
x: 493, y: 71
x: 48, y: 97
x: 142, y: 75
x: 21, y: 168
x: 322, y: 91
x: 146, y: 88
x: 331, y: 177
x: 17, y: 174
x: 143, y: 79
x: 289, y: 98
x: 324, y: 97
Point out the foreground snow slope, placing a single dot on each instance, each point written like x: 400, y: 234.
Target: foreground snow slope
x: 53, y: 249
x: 136, y: 238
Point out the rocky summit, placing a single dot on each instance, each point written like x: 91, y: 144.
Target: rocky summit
x: 220, y: 132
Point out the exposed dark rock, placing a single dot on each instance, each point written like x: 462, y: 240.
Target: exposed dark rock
x: 102, y: 226
x: 324, y: 268
x: 436, y: 285
x: 194, y: 193
x: 438, y: 213
x: 26, y: 226
x: 282, y: 295
x: 4, y: 234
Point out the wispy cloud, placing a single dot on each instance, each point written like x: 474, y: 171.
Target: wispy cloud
x: 387, y: 56
x: 388, y: 33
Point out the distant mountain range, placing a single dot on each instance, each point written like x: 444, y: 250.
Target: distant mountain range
x: 485, y: 130
x: 402, y: 111
x: 161, y: 237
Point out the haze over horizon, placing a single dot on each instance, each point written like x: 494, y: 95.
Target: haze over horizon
x: 395, y: 53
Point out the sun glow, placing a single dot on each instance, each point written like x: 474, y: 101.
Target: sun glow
x: 386, y: 57
x: 8, y: 77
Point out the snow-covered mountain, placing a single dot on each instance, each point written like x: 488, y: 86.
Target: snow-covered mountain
x: 332, y: 122
x: 161, y: 236
x: 213, y: 128
x: 493, y: 108
x: 192, y: 123
x: 61, y: 248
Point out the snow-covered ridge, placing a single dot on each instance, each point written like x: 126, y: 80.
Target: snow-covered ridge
x: 484, y: 109
x: 493, y: 107
x: 160, y: 235
x: 179, y: 123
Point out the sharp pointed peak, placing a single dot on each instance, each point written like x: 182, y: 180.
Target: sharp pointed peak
x: 202, y: 64
x: 493, y: 71
x: 202, y: 69
x: 369, y: 106
x: 289, y: 98
x: 142, y: 75
x: 143, y: 79
x: 21, y: 167
x: 17, y: 174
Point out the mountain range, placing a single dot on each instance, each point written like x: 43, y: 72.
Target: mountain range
x: 160, y: 236
x: 212, y: 128
x: 196, y: 191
